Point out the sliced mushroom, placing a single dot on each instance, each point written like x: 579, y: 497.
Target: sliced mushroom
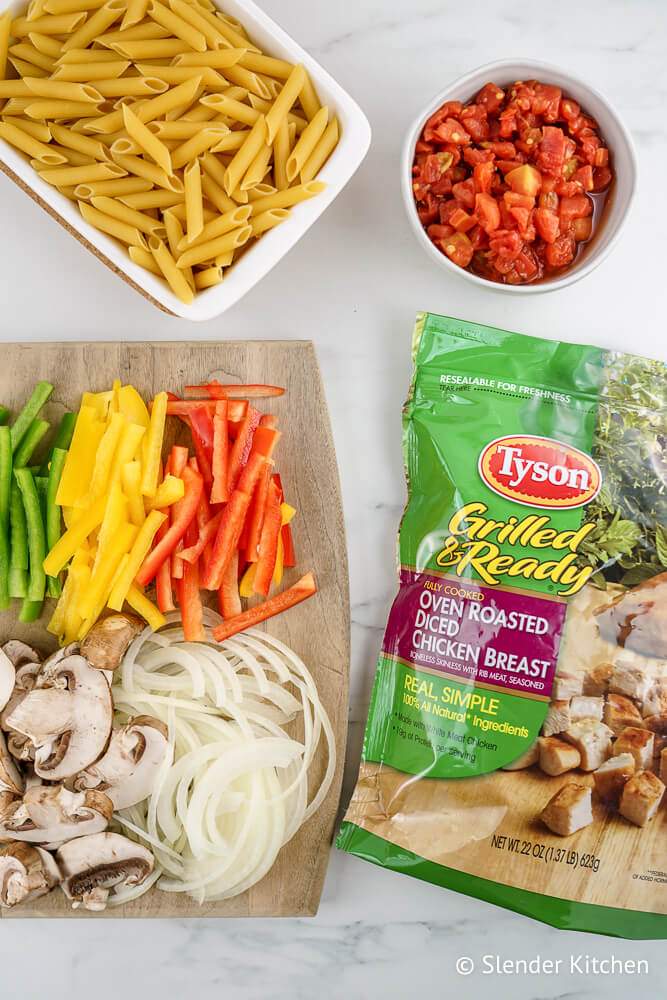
x: 7, y: 679
x: 128, y: 770
x: 52, y: 814
x: 25, y: 873
x: 10, y: 776
x: 20, y: 652
x: 106, y: 644
x: 93, y: 867
x: 25, y: 680
x: 66, y: 717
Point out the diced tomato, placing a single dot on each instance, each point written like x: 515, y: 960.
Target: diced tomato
x: 491, y: 98
x: 574, y: 208
x: 584, y: 176
x: 569, y: 109
x: 473, y: 118
x: 601, y: 158
x: 502, y: 150
x: 474, y: 156
x: 548, y: 200
x: 487, y: 212
x: 547, y: 224
x: 602, y: 178
x: 589, y: 144
x: 451, y: 131
x: 458, y: 248
x: 483, y: 174
x: 478, y: 238
x: 439, y: 232
x: 508, y: 122
x: 435, y: 166
x: 526, y: 266
x: 546, y: 102
x: 514, y: 200
x: 582, y: 229
x: 465, y: 192
x: 551, y: 152
x: 506, y: 244
x: 568, y: 189
x: 560, y: 252
x: 525, y: 180
x: 461, y: 221
x: 523, y: 218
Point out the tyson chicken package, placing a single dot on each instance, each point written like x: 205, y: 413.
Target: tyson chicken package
x: 516, y: 745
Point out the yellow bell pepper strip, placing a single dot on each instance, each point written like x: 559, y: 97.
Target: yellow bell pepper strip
x: 73, y: 617
x: 97, y: 594
x: 140, y: 549
x: 133, y: 406
x: 287, y: 513
x: 140, y: 603
x: 80, y: 462
x: 114, y: 406
x: 115, y: 515
x: 99, y: 401
x: 67, y: 545
x: 153, y: 446
x: 246, y: 587
x: 131, y: 482
x: 103, y: 460
x: 126, y: 451
x: 57, y: 623
x: 169, y: 492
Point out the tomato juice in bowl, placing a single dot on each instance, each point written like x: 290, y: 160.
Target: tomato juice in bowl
x: 508, y: 214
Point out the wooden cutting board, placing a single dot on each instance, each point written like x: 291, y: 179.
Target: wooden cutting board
x: 318, y: 630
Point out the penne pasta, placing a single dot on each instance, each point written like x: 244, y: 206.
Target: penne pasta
x: 46, y: 44
x: 176, y: 25
x: 231, y: 141
x: 149, y: 171
x: 231, y: 108
x: 181, y: 74
x: 5, y: 32
x: 124, y: 185
x: 308, y: 140
x: 38, y: 130
x: 14, y: 88
x: 283, y: 103
x: 207, y: 251
x: 308, y: 99
x: 207, y: 278
x: 267, y: 220
x: 59, y: 24
x: 147, y: 140
x: 91, y: 72
x: 153, y: 48
x: 95, y: 25
x: 133, y: 86
x: 82, y: 175
x: 245, y: 155
x: 124, y: 146
x: 249, y: 81
x: 131, y: 216
x: 113, y: 227
x: 178, y: 211
x: 321, y: 153
x: 79, y: 143
x: 39, y: 151
x: 86, y: 56
x: 60, y: 90
x: 135, y: 13
x: 233, y: 37
x: 144, y: 258
x: 71, y: 6
x: 224, y: 259
x: 180, y: 130
x: 257, y: 63
x: 261, y: 191
x: 190, y: 13
x: 220, y: 59
x: 265, y: 106
x: 217, y: 227
x: 27, y: 69
x: 172, y: 274
x: 28, y: 53
x: 174, y: 237
x: 207, y: 137
x: 71, y: 156
x: 60, y: 109
x: 146, y: 200
x: 194, y: 202
x: 140, y: 32
x: 258, y: 169
x: 286, y: 199
x: 17, y: 105
x: 215, y: 194
x: 281, y: 152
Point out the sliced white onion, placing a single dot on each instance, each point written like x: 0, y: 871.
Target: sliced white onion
x: 235, y: 788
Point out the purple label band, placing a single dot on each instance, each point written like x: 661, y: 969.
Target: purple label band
x: 499, y: 638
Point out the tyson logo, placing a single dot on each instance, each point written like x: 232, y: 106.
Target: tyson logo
x: 539, y: 472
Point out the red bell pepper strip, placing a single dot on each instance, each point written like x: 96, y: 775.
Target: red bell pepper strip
x: 241, y: 447
x: 304, y: 588
x: 183, y: 513
x: 198, y: 423
x: 289, y: 553
x: 268, y: 420
x: 193, y: 552
x: 176, y: 566
x: 220, y: 489
x: 184, y: 407
x: 229, y: 599
x: 165, y: 597
x: 178, y: 459
x: 255, y: 518
x: 216, y: 390
x: 231, y: 525
x: 192, y: 612
x: 268, y: 542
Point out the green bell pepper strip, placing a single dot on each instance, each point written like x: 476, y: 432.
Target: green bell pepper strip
x: 30, y: 610
x: 31, y: 439
x: 63, y: 439
x: 18, y: 534
x: 53, y: 517
x: 36, y: 534
x: 5, y: 491
x: 4, y: 414
x: 40, y: 394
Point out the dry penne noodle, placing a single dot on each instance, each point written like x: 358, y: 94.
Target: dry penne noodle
x: 173, y: 275
x: 231, y: 141
x: 257, y: 63
x: 115, y: 188
x: 206, y: 251
x: 261, y: 191
x: 190, y: 13
x: 132, y: 86
x: 286, y: 199
x: 207, y: 137
x: 264, y: 106
x: 281, y: 152
x: 176, y: 25
x: 149, y: 171
x: 113, y: 227
x: 178, y: 211
x: 95, y: 25
x: 267, y: 220
x: 250, y: 81
x: 217, y: 227
x: 174, y: 237
x: 257, y: 138
x: 155, y: 48
x: 220, y: 59
x: 48, y: 45
x: 61, y: 90
x: 181, y: 129
x: 82, y: 175
x: 71, y: 156
x: 273, y: 86
x: 258, y: 169
x: 148, y: 142
x: 194, y: 201
x: 27, y: 69
x: 146, y: 200
x: 135, y: 13
x: 38, y: 130
x: 33, y: 147
x: 144, y: 258
x: 28, y: 53
x: 207, y: 278
x: 71, y: 6
x: 80, y: 143
x: 308, y: 140
x: 17, y: 105
x: 224, y: 259
x: 231, y: 34
x: 321, y: 153
x: 92, y: 72
x: 231, y: 108
x: 215, y: 194
x: 43, y: 109
x: 308, y: 99
x: 86, y: 56
x: 181, y: 74
x: 5, y: 31
x: 117, y: 210
x: 283, y: 103
x: 124, y: 146
x: 59, y: 24
x: 14, y: 88
x: 239, y: 196
x: 148, y: 29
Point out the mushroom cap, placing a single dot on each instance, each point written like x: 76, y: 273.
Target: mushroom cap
x: 128, y: 770
x: 52, y: 814
x: 106, y: 643
x: 11, y: 779
x: 7, y: 678
x: 92, y: 867
x: 25, y: 679
x: 20, y: 652
x: 26, y: 873
x: 67, y: 716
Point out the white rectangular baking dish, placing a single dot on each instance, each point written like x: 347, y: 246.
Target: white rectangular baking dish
x: 273, y: 245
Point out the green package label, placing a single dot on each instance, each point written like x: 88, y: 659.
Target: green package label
x: 521, y: 691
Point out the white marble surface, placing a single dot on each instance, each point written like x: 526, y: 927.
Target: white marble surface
x: 353, y: 286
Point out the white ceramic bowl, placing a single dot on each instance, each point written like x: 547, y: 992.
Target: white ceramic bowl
x: 613, y: 130
x: 353, y: 145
